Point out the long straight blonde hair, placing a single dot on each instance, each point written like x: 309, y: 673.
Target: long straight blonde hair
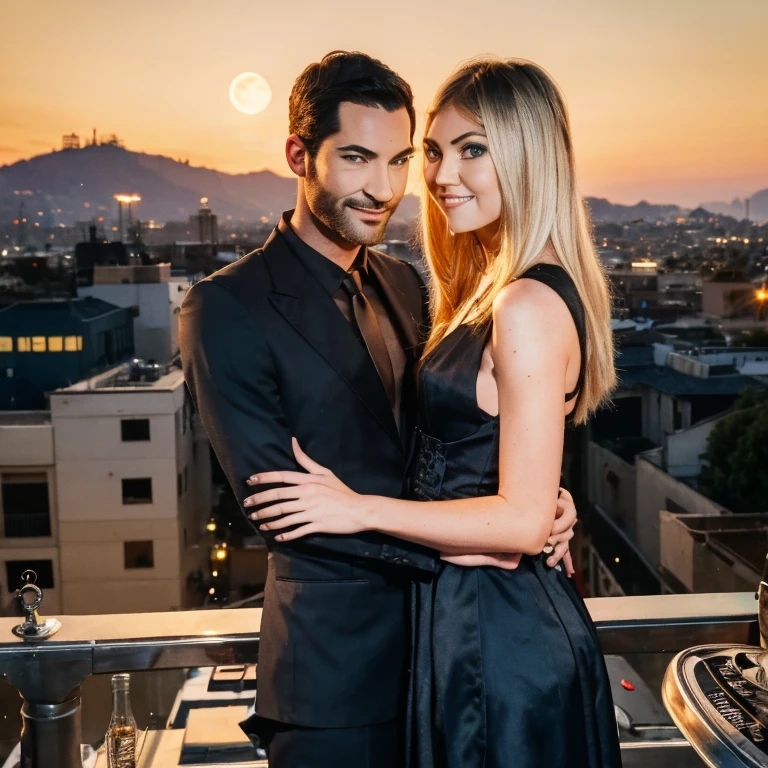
x: 526, y: 122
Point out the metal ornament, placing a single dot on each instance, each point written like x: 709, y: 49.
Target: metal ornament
x: 31, y: 597
x: 718, y: 697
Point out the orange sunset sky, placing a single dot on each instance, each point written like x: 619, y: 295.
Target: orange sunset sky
x: 669, y: 100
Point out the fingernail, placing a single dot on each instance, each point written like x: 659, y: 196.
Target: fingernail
x: 247, y: 503
x: 254, y: 516
x: 254, y: 478
x: 280, y: 537
x: 550, y: 562
x: 263, y: 527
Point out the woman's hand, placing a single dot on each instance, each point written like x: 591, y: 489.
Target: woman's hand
x: 317, y: 501
x: 562, y: 533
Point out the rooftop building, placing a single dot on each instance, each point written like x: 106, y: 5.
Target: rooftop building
x: 48, y: 344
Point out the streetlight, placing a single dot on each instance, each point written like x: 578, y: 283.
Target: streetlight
x: 761, y: 294
x: 129, y: 200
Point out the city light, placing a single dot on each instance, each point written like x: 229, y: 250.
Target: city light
x: 215, y: 574
x: 211, y: 526
x: 761, y: 294
x: 122, y: 198
x: 221, y: 554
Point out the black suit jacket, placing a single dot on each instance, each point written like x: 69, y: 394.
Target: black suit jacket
x: 268, y: 355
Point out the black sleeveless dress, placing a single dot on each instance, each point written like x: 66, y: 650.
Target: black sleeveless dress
x: 506, y: 669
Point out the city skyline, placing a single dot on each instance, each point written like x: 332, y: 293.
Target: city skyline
x: 665, y: 102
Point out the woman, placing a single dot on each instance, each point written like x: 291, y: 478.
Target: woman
x: 506, y: 670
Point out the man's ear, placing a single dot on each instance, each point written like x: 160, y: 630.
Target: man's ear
x: 296, y: 153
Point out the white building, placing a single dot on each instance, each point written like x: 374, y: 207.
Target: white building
x: 155, y: 297
x: 128, y: 484
x: 28, y: 521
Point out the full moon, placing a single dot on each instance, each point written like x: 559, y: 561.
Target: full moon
x: 250, y: 93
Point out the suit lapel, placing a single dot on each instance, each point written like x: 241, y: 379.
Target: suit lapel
x: 302, y: 301
x: 405, y: 302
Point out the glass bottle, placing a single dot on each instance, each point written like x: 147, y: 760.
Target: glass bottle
x: 121, y: 735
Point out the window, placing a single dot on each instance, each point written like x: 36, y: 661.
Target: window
x: 43, y: 569
x: 178, y: 485
x: 26, y: 512
x: 55, y: 343
x: 137, y: 490
x: 6, y: 344
x: 134, y: 430
x: 73, y: 343
x: 38, y: 344
x: 24, y: 344
x: 139, y: 554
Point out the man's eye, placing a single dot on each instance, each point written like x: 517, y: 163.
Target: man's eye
x: 471, y: 151
x: 354, y: 158
x: 402, y: 160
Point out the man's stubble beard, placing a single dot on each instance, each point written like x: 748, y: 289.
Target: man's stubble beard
x: 334, y: 214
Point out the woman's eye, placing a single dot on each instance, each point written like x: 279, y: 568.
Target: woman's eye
x: 471, y: 151
x: 431, y: 154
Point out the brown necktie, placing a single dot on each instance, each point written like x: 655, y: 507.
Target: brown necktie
x: 369, y: 328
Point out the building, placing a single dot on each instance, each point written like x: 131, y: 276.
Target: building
x: 28, y: 520
x: 106, y: 496
x: 70, y: 141
x: 48, y: 344
x: 643, y: 457
x: 205, y: 223
x: 153, y: 296
x: 728, y: 295
x: 133, y: 492
x: 713, y: 553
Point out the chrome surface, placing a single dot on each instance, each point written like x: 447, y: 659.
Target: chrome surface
x: 718, y: 708
x: 672, y: 623
x: 30, y: 596
x: 762, y: 605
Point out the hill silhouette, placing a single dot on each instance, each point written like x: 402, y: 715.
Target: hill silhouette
x: 82, y: 182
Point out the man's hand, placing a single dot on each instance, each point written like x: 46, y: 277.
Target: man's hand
x: 562, y: 533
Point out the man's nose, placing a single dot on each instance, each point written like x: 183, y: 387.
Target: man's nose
x: 379, y: 185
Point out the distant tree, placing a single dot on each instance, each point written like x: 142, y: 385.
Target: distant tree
x: 756, y: 338
x: 735, y: 471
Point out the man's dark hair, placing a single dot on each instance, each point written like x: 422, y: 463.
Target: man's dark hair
x: 313, y: 108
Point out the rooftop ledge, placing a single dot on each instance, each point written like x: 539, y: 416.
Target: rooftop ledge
x: 48, y: 673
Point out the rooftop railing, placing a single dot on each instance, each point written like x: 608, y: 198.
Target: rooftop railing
x: 48, y: 673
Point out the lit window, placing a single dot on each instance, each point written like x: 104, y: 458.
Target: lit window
x: 70, y: 343
x: 38, y: 344
x: 24, y: 344
x: 55, y: 344
x: 79, y: 343
x: 6, y: 344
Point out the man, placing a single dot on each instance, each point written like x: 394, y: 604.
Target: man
x: 315, y: 336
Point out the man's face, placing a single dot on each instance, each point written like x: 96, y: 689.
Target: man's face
x: 358, y: 176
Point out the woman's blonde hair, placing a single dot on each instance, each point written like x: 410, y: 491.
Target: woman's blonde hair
x: 526, y: 122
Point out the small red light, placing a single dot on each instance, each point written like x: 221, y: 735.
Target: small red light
x: 34, y: 263
x: 627, y: 685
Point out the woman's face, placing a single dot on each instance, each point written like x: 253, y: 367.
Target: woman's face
x: 460, y: 175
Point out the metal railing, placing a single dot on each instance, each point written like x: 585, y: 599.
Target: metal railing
x: 48, y: 673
